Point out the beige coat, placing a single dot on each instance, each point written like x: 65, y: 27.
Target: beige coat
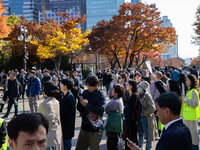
x: 148, y: 109
x: 50, y: 108
x: 115, y: 78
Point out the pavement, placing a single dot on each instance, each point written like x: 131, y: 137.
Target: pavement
x: 77, y: 124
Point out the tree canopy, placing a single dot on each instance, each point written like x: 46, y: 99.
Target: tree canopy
x: 137, y: 29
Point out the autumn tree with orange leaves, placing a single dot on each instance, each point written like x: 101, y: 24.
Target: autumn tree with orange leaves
x: 196, y: 38
x: 136, y: 30
x: 4, y: 28
x: 176, y: 62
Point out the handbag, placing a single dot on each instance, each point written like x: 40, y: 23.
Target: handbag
x: 115, y: 121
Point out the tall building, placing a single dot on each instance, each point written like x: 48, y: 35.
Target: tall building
x: 135, y: 1
x: 21, y: 7
x: 74, y: 7
x: 173, y: 51
x: 98, y: 10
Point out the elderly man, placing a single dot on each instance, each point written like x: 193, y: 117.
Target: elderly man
x: 33, y: 91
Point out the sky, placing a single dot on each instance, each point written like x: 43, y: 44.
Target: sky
x: 182, y: 16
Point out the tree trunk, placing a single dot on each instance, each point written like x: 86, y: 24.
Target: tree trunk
x: 116, y: 58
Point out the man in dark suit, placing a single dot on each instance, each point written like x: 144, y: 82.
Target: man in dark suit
x: 175, y: 136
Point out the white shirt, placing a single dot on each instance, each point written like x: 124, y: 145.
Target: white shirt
x: 171, y: 122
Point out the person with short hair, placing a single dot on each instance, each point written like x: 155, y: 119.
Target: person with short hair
x: 51, y: 110
x: 33, y: 91
x: 23, y: 81
x: 107, y: 80
x: 28, y: 132
x: 67, y: 113
x: 39, y: 74
x: 13, y: 94
x: 61, y: 73
x: 93, y: 101
x: 5, y: 90
x: 176, y: 135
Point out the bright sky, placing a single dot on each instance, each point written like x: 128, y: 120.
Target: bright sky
x: 182, y: 16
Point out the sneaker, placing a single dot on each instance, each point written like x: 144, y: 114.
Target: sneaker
x: 5, y: 117
x: 123, y: 147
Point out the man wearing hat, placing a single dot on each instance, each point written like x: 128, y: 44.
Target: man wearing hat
x: 33, y: 91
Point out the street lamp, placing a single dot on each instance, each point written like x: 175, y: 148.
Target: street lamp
x: 24, y: 37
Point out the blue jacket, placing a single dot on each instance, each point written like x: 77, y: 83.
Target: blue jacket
x: 175, y: 75
x: 176, y: 137
x: 35, y: 87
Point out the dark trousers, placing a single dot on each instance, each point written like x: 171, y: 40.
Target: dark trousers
x: 133, y: 135
x: 11, y: 102
x: 107, y: 88
x: 4, y: 99
x: 112, y: 143
x: 23, y: 90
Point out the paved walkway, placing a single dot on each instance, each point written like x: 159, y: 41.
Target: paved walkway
x: 78, y: 122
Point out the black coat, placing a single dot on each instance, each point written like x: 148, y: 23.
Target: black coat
x: 67, y: 115
x: 45, y: 79
x: 107, y: 78
x: 194, y: 72
x: 176, y: 137
x: 13, y: 88
x: 96, y: 104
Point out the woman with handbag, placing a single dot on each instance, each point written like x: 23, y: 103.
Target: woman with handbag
x: 131, y: 113
x: 114, y: 126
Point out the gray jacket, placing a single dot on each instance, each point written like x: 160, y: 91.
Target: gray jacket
x: 148, y: 109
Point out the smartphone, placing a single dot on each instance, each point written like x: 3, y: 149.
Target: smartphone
x: 81, y: 98
x: 128, y: 139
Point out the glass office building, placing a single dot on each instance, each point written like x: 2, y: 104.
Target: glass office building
x: 173, y: 51
x: 135, y: 1
x: 98, y: 10
x: 74, y: 7
x: 21, y: 7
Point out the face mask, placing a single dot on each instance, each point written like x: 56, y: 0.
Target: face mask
x: 140, y: 90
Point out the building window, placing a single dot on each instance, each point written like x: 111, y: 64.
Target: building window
x: 49, y: 15
x: 52, y: 15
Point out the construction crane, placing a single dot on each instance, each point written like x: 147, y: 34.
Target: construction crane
x: 43, y: 9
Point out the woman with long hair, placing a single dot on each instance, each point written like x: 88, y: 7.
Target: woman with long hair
x: 50, y: 108
x: 191, y: 109
x: 116, y: 104
x: 130, y: 113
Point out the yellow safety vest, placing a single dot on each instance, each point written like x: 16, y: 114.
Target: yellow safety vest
x: 4, y: 146
x: 188, y: 112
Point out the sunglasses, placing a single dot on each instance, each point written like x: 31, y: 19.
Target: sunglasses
x: 119, y: 78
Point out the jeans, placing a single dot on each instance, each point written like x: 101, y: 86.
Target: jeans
x: 67, y: 144
x: 11, y: 102
x: 143, y: 131
x: 107, y: 88
x: 195, y: 147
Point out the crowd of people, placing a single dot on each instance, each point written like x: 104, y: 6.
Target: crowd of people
x: 162, y: 104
